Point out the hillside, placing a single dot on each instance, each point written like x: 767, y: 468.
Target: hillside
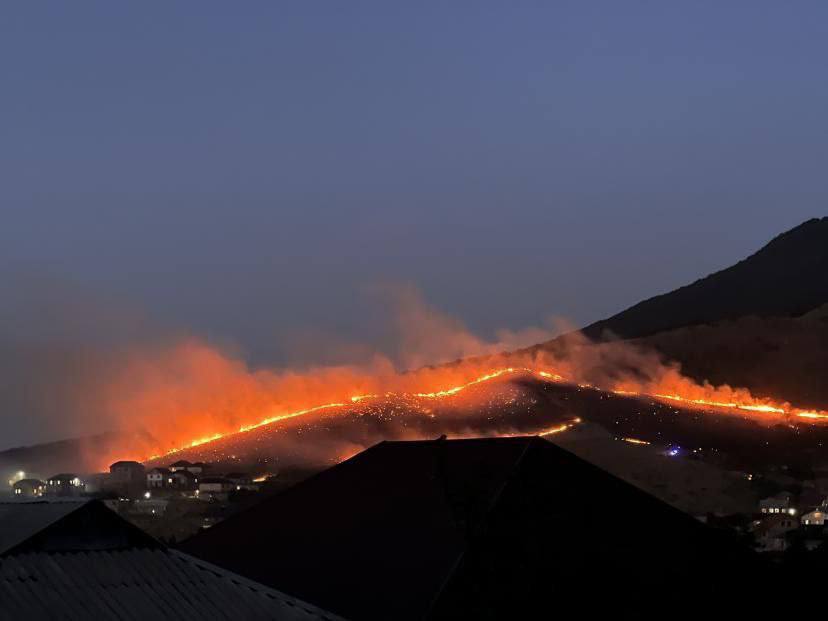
x: 786, y: 278
x: 780, y: 357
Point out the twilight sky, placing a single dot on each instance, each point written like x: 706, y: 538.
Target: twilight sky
x: 251, y: 171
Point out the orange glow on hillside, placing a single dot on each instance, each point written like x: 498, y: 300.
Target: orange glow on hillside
x: 723, y: 400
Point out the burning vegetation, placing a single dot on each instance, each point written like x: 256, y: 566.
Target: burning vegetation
x: 169, y: 398
x: 237, y: 401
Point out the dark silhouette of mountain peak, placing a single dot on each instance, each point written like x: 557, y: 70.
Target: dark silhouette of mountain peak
x: 787, y: 277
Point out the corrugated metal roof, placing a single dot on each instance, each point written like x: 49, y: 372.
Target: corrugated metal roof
x: 21, y: 520
x: 137, y: 584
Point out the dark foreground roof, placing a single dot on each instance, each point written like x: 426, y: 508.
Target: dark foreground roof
x: 80, y: 560
x: 53, y: 526
x: 488, y: 528
x: 136, y: 584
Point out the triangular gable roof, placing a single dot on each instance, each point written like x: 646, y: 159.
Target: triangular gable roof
x: 66, y: 525
x: 409, y: 529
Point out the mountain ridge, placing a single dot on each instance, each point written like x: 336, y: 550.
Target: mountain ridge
x: 787, y: 277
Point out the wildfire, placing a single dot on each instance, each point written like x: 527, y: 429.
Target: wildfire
x: 635, y: 441
x: 750, y: 405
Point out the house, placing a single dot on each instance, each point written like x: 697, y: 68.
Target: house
x: 127, y: 472
x: 818, y: 516
x: 814, y: 518
x: 772, y: 532
x: 127, y: 478
x: 495, y: 528
x: 181, y: 464
x: 28, y: 488
x: 215, y: 487
x: 96, y: 483
x: 196, y: 468
x: 183, y: 480
x: 80, y: 560
x: 159, y: 477
x: 779, y: 503
x: 242, y: 481
x: 64, y: 484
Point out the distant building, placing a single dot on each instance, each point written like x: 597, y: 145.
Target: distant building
x: 196, y: 468
x: 780, y: 503
x: 772, y: 532
x: 159, y: 477
x: 181, y: 464
x: 28, y: 488
x: 814, y: 518
x: 97, y: 483
x: 242, y: 481
x: 127, y: 478
x: 184, y: 480
x: 215, y: 486
x: 64, y: 484
x: 127, y: 471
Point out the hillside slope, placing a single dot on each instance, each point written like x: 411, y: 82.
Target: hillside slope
x: 779, y: 357
x: 786, y: 278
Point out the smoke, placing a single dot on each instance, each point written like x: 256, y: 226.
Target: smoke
x: 161, y: 389
x: 427, y: 336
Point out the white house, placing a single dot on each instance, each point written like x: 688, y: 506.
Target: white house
x: 159, y: 477
x: 814, y: 518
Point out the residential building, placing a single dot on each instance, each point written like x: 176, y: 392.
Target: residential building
x: 127, y: 472
x: 242, y: 481
x: 184, y: 480
x: 127, y: 478
x: 28, y: 488
x: 159, y: 477
x: 64, y: 484
x: 818, y: 516
x: 779, y: 503
x: 772, y: 532
x: 215, y: 487
x: 181, y: 464
x: 814, y: 518
x: 196, y: 468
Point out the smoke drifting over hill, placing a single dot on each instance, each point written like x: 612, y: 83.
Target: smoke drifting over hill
x: 167, y: 391
x: 74, y: 363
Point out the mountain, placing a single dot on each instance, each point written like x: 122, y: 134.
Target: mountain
x: 786, y: 278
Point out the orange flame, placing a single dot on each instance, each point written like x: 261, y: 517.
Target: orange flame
x: 748, y: 404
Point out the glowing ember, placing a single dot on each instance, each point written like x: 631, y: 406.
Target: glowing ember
x: 634, y: 441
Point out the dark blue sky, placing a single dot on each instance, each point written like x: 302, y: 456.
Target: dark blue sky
x: 247, y: 170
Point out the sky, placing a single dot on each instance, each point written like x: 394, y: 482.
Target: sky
x: 256, y: 172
